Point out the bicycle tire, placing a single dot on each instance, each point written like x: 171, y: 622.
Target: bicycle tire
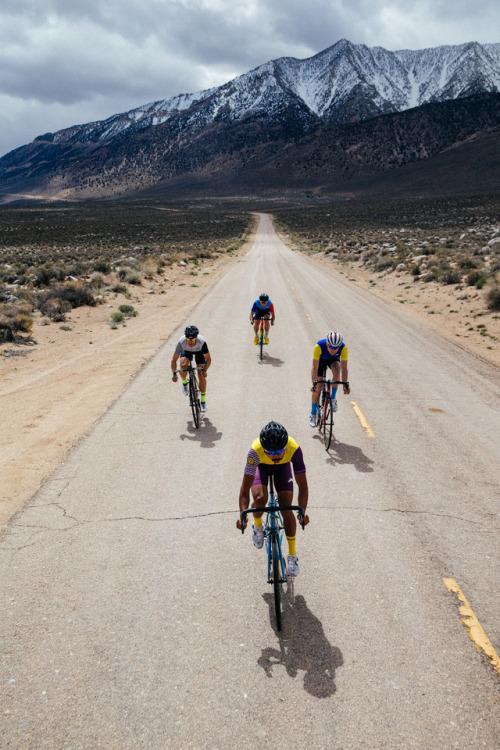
x: 261, y: 343
x: 276, y: 580
x: 193, y: 399
x: 327, y: 423
x: 320, y: 410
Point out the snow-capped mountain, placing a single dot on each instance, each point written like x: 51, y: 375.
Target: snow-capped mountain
x: 278, y: 102
x: 344, y: 83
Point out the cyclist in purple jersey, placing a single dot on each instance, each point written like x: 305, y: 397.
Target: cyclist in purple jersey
x: 274, y: 452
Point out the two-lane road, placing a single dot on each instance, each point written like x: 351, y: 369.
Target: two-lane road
x: 134, y: 615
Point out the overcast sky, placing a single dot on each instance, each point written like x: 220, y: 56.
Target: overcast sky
x: 68, y: 62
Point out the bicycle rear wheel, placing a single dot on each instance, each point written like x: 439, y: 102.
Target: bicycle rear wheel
x: 327, y: 423
x: 276, y: 580
x: 194, y: 399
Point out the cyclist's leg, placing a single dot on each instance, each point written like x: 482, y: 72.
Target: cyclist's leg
x: 184, y: 361
x: 259, y: 492
x: 200, y: 360
x: 335, y: 368
x: 283, y: 481
x: 316, y: 393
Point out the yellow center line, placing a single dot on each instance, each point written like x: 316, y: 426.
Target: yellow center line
x: 362, y: 419
x: 309, y: 318
x: 298, y: 299
x: 292, y: 287
x: 472, y: 624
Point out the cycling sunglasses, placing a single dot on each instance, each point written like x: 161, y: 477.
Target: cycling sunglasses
x: 274, y: 453
x: 188, y: 339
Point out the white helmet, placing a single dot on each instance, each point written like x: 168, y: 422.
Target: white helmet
x: 334, y: 339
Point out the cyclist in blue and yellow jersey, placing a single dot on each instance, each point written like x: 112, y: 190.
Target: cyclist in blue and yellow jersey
x: 189, y: 346
x: 329, y: 352
x: 274, y: 452
x: 262, y: 308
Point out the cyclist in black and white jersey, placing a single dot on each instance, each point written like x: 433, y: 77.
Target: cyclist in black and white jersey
x: 189, y: 346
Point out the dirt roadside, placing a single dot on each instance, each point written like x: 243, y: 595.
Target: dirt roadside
x: 52, y: 393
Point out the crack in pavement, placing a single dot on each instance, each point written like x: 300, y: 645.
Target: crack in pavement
x: 163, y: 519
x: 409, y: 512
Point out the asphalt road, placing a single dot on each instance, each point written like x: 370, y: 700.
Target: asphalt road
x: 134, y: 614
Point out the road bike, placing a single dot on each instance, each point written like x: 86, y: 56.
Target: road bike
x: 261, y: 335
x: 324, y: 414
x: 193, y: 391
x: 273, y: 535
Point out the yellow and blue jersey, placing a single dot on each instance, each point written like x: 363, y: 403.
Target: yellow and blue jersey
x: 321, y: 352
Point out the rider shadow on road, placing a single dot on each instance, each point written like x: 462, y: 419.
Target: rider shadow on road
x: 343, y: 453
x: 303, y: 646
x: 207, y: 435
x: 273, y: 361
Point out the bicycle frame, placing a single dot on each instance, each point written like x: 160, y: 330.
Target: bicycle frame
x: 324, y: 417
x: 273, y: 535
x: 273, y: 528
x: 261, y: 334
x: 194, y: 391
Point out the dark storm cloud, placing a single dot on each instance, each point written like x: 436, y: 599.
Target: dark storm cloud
x: 65, y: 62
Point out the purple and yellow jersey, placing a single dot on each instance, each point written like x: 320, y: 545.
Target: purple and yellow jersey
x: 321, y: 352
x: 257, y: 455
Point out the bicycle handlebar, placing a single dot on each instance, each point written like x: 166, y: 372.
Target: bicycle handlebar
x: 331, y: 382
x: 189, y: 368
x: 272, y: 509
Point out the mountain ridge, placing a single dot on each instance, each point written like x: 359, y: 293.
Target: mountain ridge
x: 280, y: 101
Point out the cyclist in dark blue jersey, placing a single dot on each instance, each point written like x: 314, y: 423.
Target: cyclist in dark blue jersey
x: 262, y: 308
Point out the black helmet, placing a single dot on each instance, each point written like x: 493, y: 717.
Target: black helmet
x: 264, y: 297
x: 273, y: 437
x: 191, y: 332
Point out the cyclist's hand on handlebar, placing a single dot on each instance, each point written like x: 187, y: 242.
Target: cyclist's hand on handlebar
x: 347, y: 389
x: 238, y: 523
x: 306, y: 518
x: 174, y: 378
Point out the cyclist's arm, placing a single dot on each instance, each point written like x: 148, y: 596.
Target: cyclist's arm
x: 271, y: 310
x: 301, y: 480
x: 345, y: 374
x: 244, y: 499
x: 173, y: 365
x: 314, y: 371
x: 208, y: 361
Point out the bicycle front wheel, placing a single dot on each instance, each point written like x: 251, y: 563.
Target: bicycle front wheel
x: 261, y: 343
x: 327, y: 423
x: 276, y: 580
x: 194, y: 400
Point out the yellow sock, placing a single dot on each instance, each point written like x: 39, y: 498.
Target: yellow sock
x: 257, y: 521
x: 291, y: 545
